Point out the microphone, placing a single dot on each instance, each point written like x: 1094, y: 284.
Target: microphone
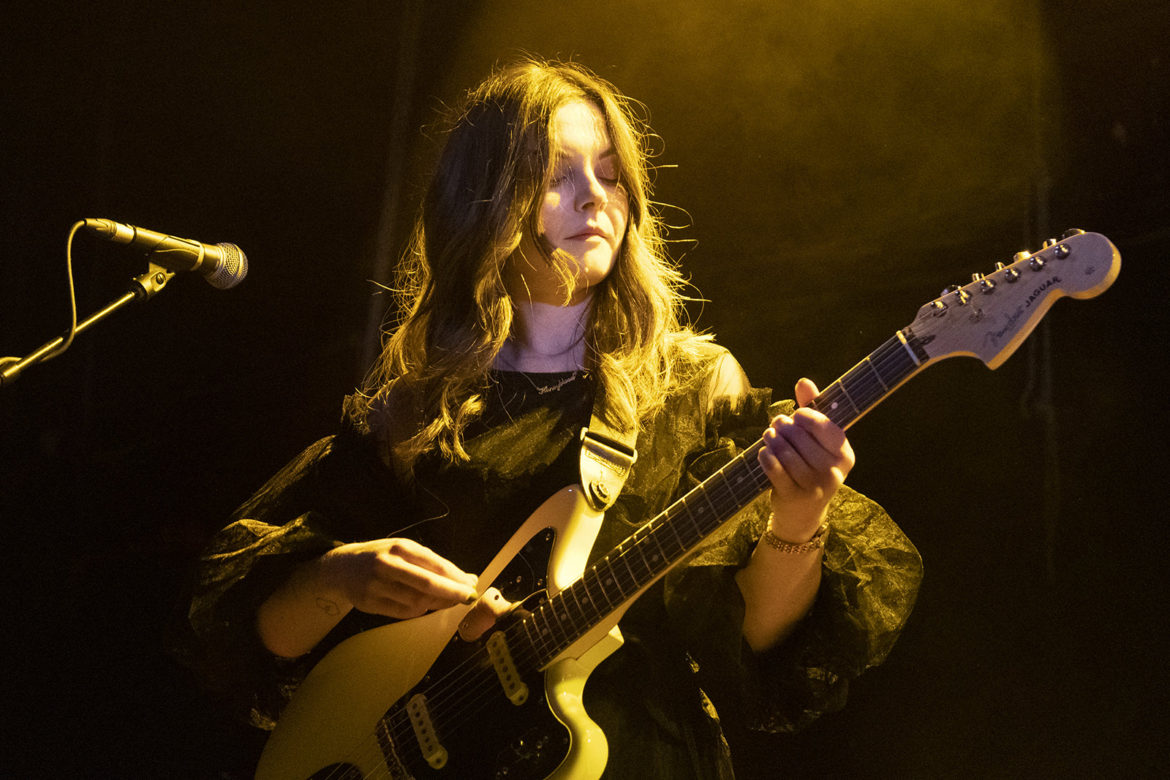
x: 222, y: 265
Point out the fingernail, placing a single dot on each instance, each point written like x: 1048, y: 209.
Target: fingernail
x: 471, y: 597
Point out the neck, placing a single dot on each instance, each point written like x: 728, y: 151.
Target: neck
x: 546, y: 338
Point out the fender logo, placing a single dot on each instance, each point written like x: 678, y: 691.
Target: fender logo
x: 1036, y: 293
x: 994, y: 338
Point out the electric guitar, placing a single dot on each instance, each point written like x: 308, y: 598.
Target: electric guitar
x: 412, y: 700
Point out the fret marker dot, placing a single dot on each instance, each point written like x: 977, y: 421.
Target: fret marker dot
x: 834, y: 405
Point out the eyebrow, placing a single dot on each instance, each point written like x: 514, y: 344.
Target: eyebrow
x: 610, y: 152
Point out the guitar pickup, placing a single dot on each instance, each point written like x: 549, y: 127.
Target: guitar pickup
x: 514, y: 687
x: 424, y: 731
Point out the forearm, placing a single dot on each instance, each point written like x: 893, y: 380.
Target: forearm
x: 299, y: 613
x: 778, y: 587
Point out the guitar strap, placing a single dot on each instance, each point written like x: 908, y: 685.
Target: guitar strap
x: 607, y: 454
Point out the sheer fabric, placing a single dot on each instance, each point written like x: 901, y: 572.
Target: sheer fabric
x: 683, y: 644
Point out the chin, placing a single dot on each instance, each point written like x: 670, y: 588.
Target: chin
x: 595, y: 268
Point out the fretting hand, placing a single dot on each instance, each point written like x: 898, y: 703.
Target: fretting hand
x: 806, y: 458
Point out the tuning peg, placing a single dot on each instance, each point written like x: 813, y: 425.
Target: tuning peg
x: 1009, y: 274
x: 1036, y: 263
x: 1062, y: 251
x: 985, y: 285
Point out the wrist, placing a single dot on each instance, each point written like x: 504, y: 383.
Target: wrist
x: 325, y: 577
x: 807, y: 543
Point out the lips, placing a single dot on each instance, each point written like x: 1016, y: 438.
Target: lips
x: 589, y: 233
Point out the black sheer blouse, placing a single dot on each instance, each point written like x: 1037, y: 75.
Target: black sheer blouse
x: 683, y: 643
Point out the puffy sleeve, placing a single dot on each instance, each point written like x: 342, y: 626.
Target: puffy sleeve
x: 870, y: 577
x: 314, y: 503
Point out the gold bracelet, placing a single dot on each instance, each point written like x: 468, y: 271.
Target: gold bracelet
x: 817, y: 542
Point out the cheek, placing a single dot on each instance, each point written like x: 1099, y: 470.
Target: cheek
x: 551, y: 214
x: 620, y: 217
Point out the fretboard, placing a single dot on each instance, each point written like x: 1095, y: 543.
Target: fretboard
x: 613, y: 581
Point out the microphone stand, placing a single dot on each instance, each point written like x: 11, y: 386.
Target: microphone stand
x: 142, y: 288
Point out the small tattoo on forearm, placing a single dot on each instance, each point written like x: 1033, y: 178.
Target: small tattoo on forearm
x: 327, y: 606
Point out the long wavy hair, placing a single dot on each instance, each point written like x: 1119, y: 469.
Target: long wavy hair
x: 429, y: 382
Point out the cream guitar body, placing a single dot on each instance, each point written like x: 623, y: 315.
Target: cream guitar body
x: 338, y: 725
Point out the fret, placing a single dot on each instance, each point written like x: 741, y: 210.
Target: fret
x: 568, y: 598
x: 692, y: 529
x: 658, y: 558
x: 732, y: 481
x: 620, y: 570
x: 854, y: 381
x: 635, y: 554
x: 720, y: 497
x: 608, y: 578
x: 591, y: 576
x: 598, y: 608
x: 839, y: 386
x: 552, y: 623
x: 652, y: 549
x: 573, y: 595
x: 737, y: 474
x: 623, y: 549
x: 680, y: 546
x: 868, y: 362
x: 532, y: 636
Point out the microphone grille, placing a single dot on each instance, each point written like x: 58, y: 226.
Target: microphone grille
x: 231, y: 269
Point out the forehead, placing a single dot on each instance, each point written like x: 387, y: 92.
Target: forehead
x: 579, y: 129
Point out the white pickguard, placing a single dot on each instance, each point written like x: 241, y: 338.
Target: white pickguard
x: 334, y: 713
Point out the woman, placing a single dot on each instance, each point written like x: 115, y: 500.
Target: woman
x: 537, y: 293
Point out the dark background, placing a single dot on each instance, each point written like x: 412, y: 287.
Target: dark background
x: 834, y: 164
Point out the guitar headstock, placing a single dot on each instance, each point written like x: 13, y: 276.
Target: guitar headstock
x: 990, y: 317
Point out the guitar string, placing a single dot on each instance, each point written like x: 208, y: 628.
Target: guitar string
x: 625, y: 553
x: 530, y: 654
x: 871, y: 386
x: 871, y: 390
x: 473, y: 696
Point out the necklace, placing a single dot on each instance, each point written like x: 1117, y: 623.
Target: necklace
x: 542, y: 389
x: 551, y: 387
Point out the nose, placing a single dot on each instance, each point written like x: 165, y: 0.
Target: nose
x: 592, y: 194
